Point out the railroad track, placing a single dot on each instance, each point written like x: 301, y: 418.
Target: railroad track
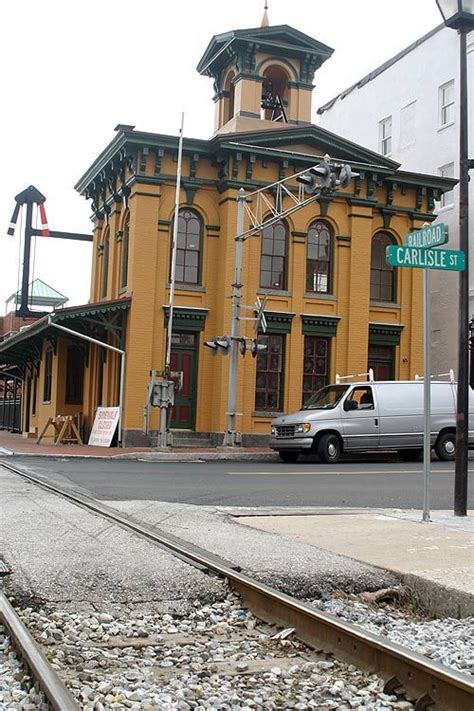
x: 56, y: 693
x: 426, y: 683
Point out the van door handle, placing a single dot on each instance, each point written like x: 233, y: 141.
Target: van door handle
x: 376, y: 422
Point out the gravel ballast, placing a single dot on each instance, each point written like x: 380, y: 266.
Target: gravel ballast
x: 16, y: 687
x: 217, y: 657
x: 449, y: 640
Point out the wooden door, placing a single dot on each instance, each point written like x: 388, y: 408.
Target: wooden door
x: 184, y: 360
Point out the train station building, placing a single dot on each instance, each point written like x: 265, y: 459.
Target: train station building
x: 333, y: 304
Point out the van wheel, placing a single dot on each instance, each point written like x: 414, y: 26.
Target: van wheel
x: 445, y: 446
x: 329, y: 448
x: 410, y: 455
x: 289, y: 457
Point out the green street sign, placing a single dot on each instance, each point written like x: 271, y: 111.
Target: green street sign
x: 430, y: 236
x: 449, y: 259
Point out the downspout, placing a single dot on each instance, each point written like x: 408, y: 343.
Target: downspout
x: 110, y: 348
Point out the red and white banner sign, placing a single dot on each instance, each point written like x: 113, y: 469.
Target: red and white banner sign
x: 105, y: 423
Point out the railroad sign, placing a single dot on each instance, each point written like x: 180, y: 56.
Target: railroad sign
x: 429, y: 236
x: 422, y: 258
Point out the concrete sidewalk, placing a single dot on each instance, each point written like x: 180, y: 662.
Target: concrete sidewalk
x: 15, y: 444
x: 435, y: 559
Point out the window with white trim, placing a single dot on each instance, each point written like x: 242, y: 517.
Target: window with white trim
x: 446, y: 104
x: 447, y: 171
x: 385, y: 136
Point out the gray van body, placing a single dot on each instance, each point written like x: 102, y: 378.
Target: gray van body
x: 394, y: 419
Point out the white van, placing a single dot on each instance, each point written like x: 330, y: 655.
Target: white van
x: 370, y: 416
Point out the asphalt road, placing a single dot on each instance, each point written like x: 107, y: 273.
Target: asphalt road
x: 372, y: 483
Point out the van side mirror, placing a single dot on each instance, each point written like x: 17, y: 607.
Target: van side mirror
x: 350, y: 405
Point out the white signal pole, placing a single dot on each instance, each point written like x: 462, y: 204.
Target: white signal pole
x: 165, y: 384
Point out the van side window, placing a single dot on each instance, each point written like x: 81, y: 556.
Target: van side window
x: 363, y: 397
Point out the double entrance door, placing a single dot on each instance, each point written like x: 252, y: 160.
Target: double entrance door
x: 184, y: 359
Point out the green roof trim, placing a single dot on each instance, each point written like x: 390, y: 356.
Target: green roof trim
x: 313, y: 325
x: 91, y: 310
x: 26, y: 345
x: 186, y: 319
x: 385, y: 334
x: 279, y: 321
x: 279, y: 40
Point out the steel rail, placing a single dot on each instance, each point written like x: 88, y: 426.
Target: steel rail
x: 428, y: 682
x: 58, y: 696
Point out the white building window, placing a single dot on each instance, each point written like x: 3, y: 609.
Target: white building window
x: 407, y: 125
x: 447, y: 171
x: 385, y: 136
x: 446, y: 104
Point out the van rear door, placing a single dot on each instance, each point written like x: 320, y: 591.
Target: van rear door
x: 360, y: 421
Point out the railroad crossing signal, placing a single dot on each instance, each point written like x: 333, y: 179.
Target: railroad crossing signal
x: 256, y: 347
x: 260, y: 319
x: 326, y: 176
x: 219, y: 344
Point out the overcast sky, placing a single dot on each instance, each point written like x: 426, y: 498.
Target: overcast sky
x: 72, y: 70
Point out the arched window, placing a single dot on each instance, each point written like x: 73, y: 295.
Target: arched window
x: 124, y: 264
x: 382, y: 275
x: 274, y: 94
x: 105, y: 264
x: 230, y: 96
x: 274, y: 256
x: 319, y: 258
x: 189, y: 248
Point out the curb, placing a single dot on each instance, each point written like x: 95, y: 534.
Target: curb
x: 194, y: 456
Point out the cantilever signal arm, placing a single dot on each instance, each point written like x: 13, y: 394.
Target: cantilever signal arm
x: 80, y: 236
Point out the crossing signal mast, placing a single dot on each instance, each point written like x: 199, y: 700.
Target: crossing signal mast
x: 265, y: 207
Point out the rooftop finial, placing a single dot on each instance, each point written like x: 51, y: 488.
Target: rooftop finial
x: 265, y: 20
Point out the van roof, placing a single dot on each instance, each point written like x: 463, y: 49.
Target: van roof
x: 394, y: 382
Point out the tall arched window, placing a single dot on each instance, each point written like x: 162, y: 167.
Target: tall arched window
x: 230, y: 96
x: 383, y: 285
x: 189, y: 248
x: 124, y: 264
x: 273, y: 268
x: 105, y: 264
x: 274, y: 94
x: 319, y: 258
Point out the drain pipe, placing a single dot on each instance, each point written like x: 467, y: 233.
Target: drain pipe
x: 71, y: 332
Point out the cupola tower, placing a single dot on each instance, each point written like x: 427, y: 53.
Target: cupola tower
x: 263, y: 77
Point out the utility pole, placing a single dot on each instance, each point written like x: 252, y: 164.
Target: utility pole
x: 321, y: 179
x: 232, y: 437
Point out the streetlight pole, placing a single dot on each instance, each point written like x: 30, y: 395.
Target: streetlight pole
x: 459, y: 15
x: 462, y: 413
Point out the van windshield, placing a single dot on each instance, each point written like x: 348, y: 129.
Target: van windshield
x: 326, y: 398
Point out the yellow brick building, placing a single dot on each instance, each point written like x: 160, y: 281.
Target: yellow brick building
x: 333, y: 304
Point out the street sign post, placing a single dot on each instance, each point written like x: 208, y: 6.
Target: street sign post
x: 418, y: 253
x: 425, y: 258
x: 429, y: 236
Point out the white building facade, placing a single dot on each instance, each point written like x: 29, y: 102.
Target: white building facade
x: 408, y: 109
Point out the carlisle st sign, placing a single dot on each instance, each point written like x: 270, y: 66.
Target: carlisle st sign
x: 429, y: 236
x: 449, y: 259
